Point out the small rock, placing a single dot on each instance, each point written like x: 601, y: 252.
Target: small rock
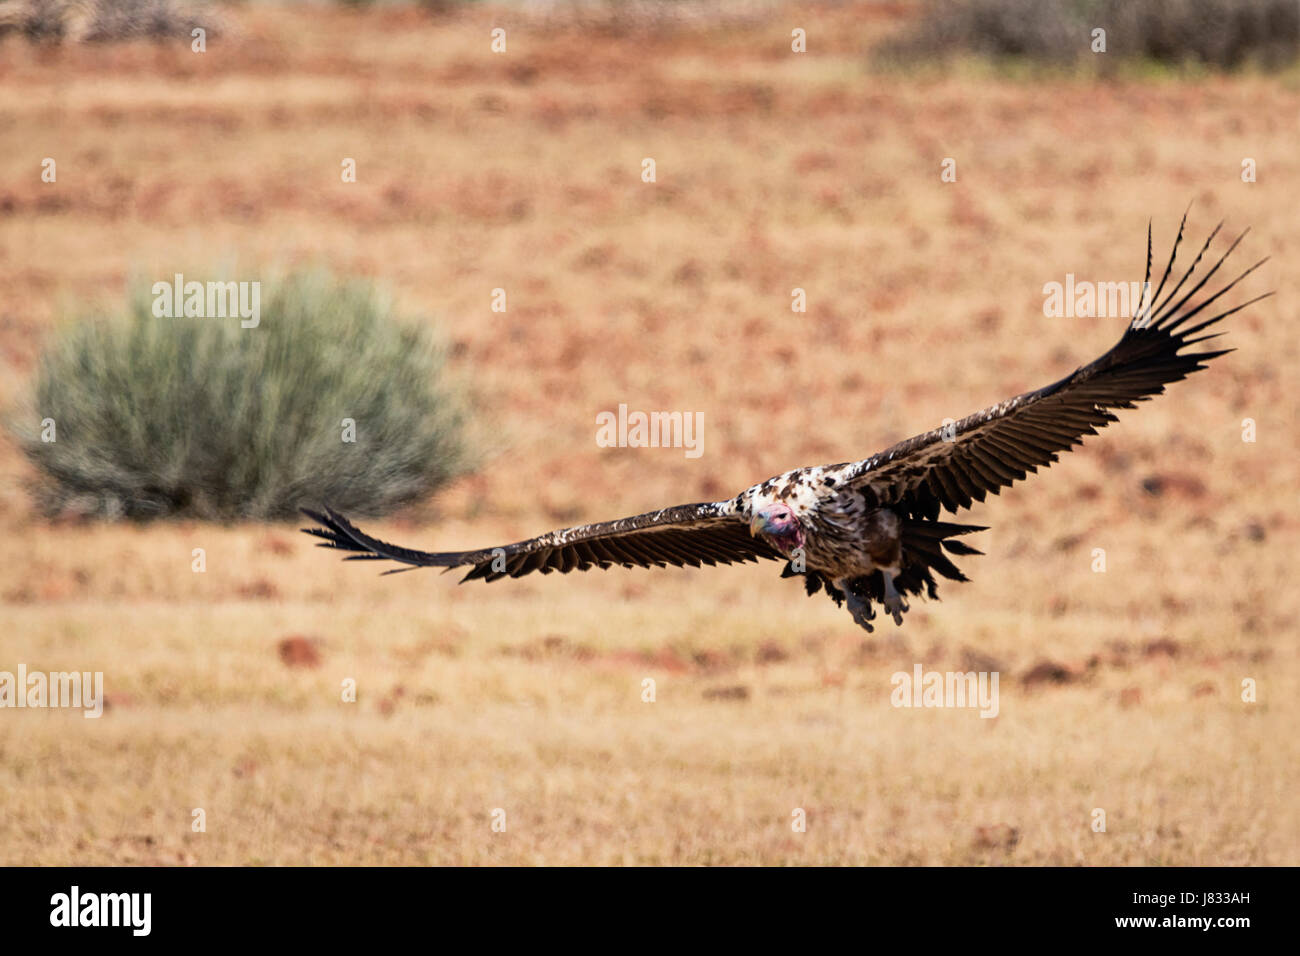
x: 736, y: 692
x: 1161, y: 647
x: 999, y: 836
x: 1048, y: 672
x: 299, y: 651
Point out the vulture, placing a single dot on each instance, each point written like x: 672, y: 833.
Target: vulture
x: 871, y: 532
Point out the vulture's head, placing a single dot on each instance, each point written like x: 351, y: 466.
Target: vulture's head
x: 779, y: 526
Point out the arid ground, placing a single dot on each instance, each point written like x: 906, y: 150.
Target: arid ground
x: 1120, y: 691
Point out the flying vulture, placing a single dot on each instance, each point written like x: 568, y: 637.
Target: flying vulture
x: 869, y: 532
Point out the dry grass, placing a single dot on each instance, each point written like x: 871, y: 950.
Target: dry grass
x: 775, y: 171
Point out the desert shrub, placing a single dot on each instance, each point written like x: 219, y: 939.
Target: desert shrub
x: 1219, y: 33
x: 622, y: 17
x: 202, y: 417
x: 102, y: 21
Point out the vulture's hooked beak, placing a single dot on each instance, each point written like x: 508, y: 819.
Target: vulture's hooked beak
x: 756, y: 524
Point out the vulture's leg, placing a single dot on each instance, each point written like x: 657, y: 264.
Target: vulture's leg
x: 883, y: 541
x: 894, y: 602
x: 859, y: 606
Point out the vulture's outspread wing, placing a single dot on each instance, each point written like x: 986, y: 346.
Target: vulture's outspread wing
x: 984, y: 453
x: 868, y: 531
x: 710, y: 533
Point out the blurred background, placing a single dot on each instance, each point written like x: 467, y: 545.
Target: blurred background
x: 393, y: 173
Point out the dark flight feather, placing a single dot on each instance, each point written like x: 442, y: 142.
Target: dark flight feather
x: 985, y: 452
x: 684, y: 536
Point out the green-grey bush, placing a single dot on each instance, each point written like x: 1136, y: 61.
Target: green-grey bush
x: 203, y: 418
x: 1220, y: 33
